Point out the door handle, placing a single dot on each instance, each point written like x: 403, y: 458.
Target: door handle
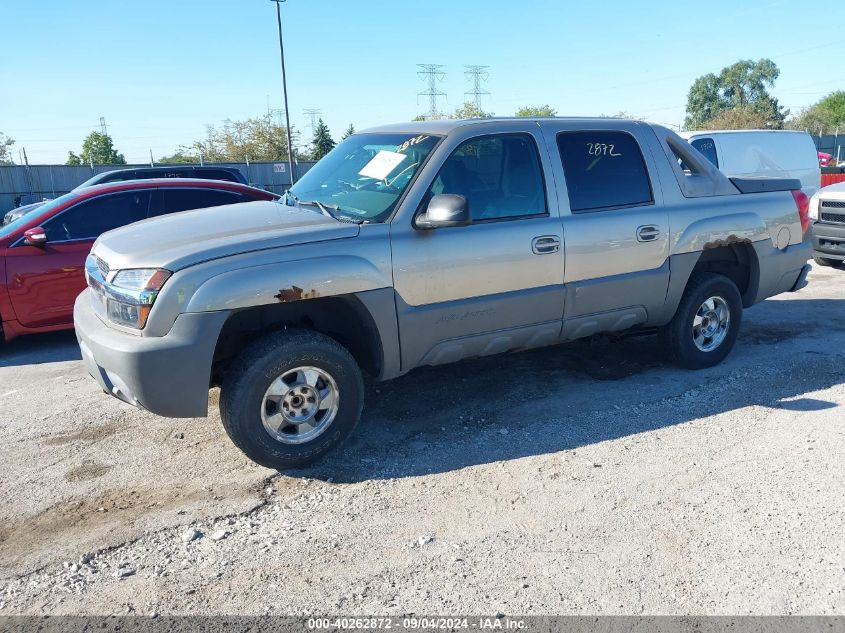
x: 648, y: 233
x: 545, y: 244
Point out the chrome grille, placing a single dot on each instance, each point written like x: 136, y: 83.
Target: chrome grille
x: 832, y: 217
x: 833, y: 204
x: 103, y: 266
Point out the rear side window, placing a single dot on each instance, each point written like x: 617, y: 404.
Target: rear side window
x: 175, y: 200
x: 604, y: 170
x: 707, y: 147
x: 90, y: 218
x: 500, y: 176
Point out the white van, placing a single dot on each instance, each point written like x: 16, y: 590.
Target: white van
x: 769, y: 153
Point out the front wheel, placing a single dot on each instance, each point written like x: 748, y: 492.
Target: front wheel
x: 706, y: 324
x: 291, y: 397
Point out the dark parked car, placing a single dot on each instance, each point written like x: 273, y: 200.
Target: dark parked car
x: 17, y: 212
x: 230, y: 174
x: 42, y: 254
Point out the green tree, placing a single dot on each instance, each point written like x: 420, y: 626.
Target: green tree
x: 349, y: 132
x: 98, y: 148
x: 73, y: 159
x: 470, y: 111
x: 323, y: 142
x: 826, y: 115
x: 178, y: 157
x: 5, y: 150
x: 257, y: 139
x: 420, y: 117
x: 739, y: 118
x: 744, y: 84
x: 623, y: 115
x: 536, y: 111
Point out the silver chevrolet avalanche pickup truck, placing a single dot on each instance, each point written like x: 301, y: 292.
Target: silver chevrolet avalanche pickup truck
x: 427, y: 243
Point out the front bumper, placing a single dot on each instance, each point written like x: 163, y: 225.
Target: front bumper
x: 167, y: 375
x: 828, y: 240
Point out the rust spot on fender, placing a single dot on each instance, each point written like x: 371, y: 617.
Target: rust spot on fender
x: 731, y: 239
x: 295, y: 293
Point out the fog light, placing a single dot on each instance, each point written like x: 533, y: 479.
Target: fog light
x: 134, y: 316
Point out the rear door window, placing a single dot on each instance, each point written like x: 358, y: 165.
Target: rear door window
x: 173, y: 200
x: 90, y: 218
x: 603, y: 170
x: 707, y: 147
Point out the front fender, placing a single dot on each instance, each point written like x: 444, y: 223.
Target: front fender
x: 722, y: 230
x: 284, y: 282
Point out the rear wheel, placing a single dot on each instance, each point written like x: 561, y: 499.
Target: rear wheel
x: 706, y: 324
x: 291, y: 397
x: 824, y: 261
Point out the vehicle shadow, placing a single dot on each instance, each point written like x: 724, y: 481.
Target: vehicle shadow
x: 560, y: 398
x: 51, y: 347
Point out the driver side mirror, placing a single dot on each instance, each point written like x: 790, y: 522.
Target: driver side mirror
x: 35, y: 236
x: 445, y: 209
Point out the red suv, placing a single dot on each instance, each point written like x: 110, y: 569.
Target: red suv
x: 42, y: 254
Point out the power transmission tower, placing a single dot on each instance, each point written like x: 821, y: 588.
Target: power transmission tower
x: 431, y: 74
x: 312, y: 114
x: 477, y: 75
x: 103, y: 126
x: 279, y: 113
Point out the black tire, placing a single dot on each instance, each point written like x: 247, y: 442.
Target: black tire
x: 259, y: 365
x: 824, y: 261
x: 677, y: 336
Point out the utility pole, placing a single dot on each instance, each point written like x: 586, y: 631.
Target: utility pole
x: 477, y: 75
x: 103, y: 127
x: 285, y: 89
x: 152, y: 162
x: 431, y: 74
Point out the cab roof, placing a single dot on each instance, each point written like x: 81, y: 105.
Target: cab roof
x: 445, y: 126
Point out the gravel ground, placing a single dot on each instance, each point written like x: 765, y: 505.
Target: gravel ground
x: 590, y: 478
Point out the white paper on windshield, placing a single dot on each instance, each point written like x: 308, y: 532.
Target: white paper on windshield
x: 382, y: 164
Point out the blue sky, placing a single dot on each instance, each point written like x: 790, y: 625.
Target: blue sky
x: 159, y: 71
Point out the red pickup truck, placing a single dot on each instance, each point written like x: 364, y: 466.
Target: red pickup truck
x: 42, y: 254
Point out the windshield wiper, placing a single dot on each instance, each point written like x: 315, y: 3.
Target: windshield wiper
x: 326, y: 209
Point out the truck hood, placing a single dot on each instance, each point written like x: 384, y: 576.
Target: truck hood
x: 832, y: 192
x: 183, y: 239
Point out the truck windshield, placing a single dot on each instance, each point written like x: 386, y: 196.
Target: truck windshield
x: 361, y: 179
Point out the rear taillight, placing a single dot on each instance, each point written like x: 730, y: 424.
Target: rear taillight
x: 803, y: 204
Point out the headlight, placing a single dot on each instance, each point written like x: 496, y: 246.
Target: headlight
x: 141, y: 286
x: 140, y: 279
x: 814, y: 208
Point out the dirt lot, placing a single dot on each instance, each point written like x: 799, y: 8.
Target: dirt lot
x: 588, y: 478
